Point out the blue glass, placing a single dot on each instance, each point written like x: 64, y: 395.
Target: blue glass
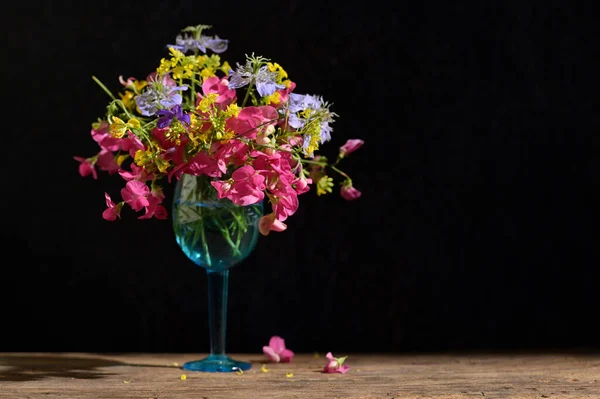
x: 216, y: 235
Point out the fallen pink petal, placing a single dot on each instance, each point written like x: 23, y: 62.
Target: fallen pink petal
x: 277, y: 352
x: 335, y: 364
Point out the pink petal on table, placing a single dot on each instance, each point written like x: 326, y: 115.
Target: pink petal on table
x: 277, y: 343
x: 286, y: 356
x: 270, y: 353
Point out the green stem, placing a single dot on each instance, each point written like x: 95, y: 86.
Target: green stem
x: 225, y: 232
x: 103, y: 87
x: 339, y: 171
x: 203, y: 237
x: 247, y: 92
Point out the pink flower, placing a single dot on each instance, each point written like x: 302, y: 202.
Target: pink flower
x: 101, y: 135
x: 302, y: 184
x: 216, y: 85
x: 86, y: 167
x: 154, y: 208
x: 270, y: 223
x: 284, y: 202
x: 135, y: 194
x: 350, y: 146
x: 276, y: 351
x: 113, y: 211
x: 106, y: 162
x: 335, y: 365
x: 249, y: 118
x: 136, y: 173
x: 244, y: 188
x: 204, y: 164
x: 349, y: 193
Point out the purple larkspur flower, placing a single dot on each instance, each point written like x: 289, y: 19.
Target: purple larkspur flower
x: 264, y: 79
x: 159, y: 94
x: 185, y: 43
x: 166, y: 116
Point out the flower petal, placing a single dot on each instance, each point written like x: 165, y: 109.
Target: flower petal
x: 270, y: 353
x: 286, y: 356
x: 277, y: 343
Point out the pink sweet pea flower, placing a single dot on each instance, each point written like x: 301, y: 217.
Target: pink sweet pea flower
x: 101, y: 135
x: 335, y: 365
x: 216, y: 85
x: 284, y: 202
x: 86, y: 167
x: 106, y: 162
x: 249, y: 118
x: 349, y: 193
x: 244, y: 188
x: 113, y: 211
x: 136, y: 173
x: 350, y: 146
x: 302, y: 184
x: 204, y: 164
x: 154, y: 208
x: 277, y: 352
x: 269, y: 223
x: 135, y: 194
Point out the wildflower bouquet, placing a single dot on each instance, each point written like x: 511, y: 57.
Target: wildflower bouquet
x: 244, y: 128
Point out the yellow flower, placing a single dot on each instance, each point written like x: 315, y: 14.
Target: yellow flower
x: 127, y: 98
x: 165, y: 67
x: 183, y: 377
x: 232, y: 110
x: 177, y: 55
x: 207, y: 73
x: 264, y: 369
x: 121, y: 158
x: 139, y: 85
x: 134, y: 123
x: 207, y: 102
x: 161, y: 164
x: 281, y: 73
x: 324, y: 185
x: 117, y: 128
x: 274, y: 98
x: 225, y: 68
x: 142, y: 157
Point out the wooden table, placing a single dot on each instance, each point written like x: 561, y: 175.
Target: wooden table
x: 79, y: 375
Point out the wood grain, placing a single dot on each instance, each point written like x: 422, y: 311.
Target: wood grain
x: 98, y: 376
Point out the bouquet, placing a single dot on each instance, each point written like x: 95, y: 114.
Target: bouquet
x: 245, y: 127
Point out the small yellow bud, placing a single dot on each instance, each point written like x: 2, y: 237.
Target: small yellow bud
x: 183, y: 377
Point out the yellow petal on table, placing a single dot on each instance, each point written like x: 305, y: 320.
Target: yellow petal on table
x: 264, y: 369
x: 289, y: 375
x: 183, y: 377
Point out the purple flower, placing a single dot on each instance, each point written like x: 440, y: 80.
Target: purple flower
x: 264, y: 79
x: 186, y: 42
x: 158, y: 94
x: 166, y: 116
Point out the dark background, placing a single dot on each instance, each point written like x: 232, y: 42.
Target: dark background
x: 475, y: 231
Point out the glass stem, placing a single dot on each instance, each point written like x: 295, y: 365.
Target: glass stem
x: 217, y: 310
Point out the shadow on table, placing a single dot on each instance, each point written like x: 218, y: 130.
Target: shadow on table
x: 33, y: 368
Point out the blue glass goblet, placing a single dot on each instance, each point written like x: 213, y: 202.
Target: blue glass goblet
x: 215, y: 234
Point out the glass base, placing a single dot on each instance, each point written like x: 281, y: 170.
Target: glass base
x: 217, y: 364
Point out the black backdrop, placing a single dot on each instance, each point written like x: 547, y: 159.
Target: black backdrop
x: 475, y: 229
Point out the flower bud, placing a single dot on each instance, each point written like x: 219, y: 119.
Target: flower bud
x: 350, y: 146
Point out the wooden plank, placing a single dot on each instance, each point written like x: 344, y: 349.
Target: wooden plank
x: 98, y: 376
